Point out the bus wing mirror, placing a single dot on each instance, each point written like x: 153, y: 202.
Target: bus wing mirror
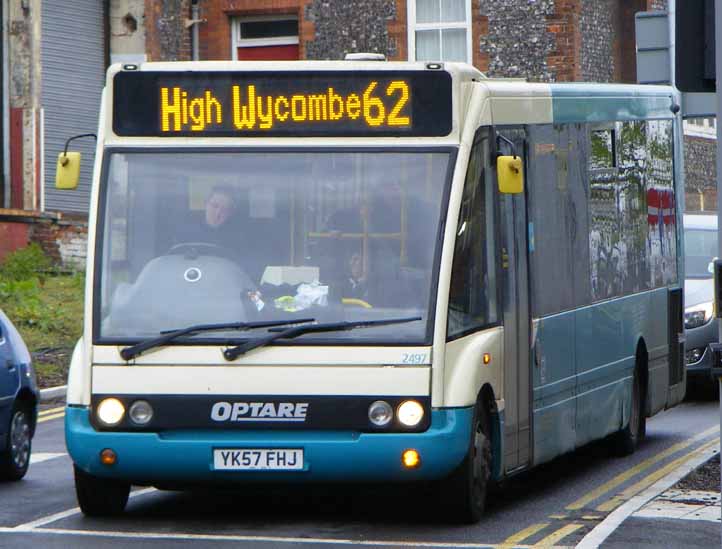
x: 510, y: 174
x: 67, y: 172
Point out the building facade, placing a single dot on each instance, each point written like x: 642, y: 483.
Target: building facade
x: 54, y: 55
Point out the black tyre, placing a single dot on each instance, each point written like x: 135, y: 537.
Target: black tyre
x: 99, y: 497
x: 15, y: 460
x: 463, y: 493
x: 626, y: 440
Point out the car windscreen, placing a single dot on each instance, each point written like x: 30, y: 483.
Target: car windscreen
x: 700, y: 249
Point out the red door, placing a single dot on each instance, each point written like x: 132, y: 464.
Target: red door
x: 269, y: 53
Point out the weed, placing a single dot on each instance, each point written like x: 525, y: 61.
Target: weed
x: 46, y: 307
x: 24, y: 264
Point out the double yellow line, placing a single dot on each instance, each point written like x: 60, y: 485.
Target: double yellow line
x: 639, y: 468
x: 613, y: 502
x: 51, y: 413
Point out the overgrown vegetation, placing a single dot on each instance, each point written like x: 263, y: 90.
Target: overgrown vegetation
x: 46, y: 306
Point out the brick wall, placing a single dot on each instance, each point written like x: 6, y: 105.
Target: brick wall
x: 65, y: 241
x: 564, y: 62
x: 516, y: 40
x: 13, y: 236
x: 327, y: 30
x: 343, y: 27
x: 558, y: 40
x: 598, y: 27
x: 167, y: 38
x: 700, y: 171
x: 215, y: 33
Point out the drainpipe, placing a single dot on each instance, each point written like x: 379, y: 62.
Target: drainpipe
x: 4, y: 109
x: 194, y: 32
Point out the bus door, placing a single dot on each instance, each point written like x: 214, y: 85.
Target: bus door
x: 516, y: 318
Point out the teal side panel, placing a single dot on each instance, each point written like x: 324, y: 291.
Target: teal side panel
x: 606, y: 344
x: 607, y: 337
x: 583, y: 366
x: 606, y: 102
x: 554, y: 386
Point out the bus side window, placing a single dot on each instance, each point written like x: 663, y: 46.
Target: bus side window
x: 473, y: 290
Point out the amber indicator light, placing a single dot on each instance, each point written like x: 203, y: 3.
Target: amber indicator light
x: 108, y: 457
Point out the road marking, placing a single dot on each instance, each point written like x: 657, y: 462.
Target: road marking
x: 629, y: 473
x: 268, y: 539
x: 604, y: 529
x: 40, y: 457
x: 513, y: 541
x: 51, y: 417
x: 42, y: 521
x: 647, y: 481
x: 42, y: 413
x: 552, y: 539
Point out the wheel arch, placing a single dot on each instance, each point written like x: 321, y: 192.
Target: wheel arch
x: 25, y: 397
x: 487, y: 399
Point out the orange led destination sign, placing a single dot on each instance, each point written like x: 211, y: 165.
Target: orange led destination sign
x: 235, y: 104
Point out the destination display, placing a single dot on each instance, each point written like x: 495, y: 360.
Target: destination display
x: 290, y: 104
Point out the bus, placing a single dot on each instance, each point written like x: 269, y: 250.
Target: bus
x: 370, y: 271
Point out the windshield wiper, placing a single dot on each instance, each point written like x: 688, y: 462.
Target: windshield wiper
x: 289, y: 333
x: 169, y: 335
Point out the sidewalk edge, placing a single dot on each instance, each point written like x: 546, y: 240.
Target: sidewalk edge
x: 605, y: 528
x: 53, y: 392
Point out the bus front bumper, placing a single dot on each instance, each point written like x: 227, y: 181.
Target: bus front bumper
x: 186, y: 457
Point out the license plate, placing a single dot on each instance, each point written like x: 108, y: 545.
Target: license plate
x: 258, y: 459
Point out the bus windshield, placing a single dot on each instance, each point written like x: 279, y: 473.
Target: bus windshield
x: 217, y: 237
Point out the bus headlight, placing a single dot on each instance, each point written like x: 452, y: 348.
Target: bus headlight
x: 380, y: 413
x: 141, y: 412
x: 698, y: 315
x: 410, y: 413
x: 110, y: 411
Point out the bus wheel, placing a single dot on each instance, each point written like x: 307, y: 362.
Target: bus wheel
x: 100, y: 497
x: 463, y: 494
x: 627, y: 439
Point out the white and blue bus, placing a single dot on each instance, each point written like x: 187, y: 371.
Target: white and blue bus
x: 370, y: 271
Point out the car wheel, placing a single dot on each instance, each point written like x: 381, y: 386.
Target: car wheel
x: 99, y: 497
x: 463, y: 493
x: 14, y: 462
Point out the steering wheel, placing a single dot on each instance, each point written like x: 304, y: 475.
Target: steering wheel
x: 193, y: 246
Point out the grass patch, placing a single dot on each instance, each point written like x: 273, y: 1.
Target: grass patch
x: 47, y: 309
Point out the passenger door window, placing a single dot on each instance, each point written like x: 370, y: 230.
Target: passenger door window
x: 473, y: 295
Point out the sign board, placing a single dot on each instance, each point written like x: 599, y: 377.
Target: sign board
x: 278, y: 104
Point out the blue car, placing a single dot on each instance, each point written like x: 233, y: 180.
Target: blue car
x: 19, y: 397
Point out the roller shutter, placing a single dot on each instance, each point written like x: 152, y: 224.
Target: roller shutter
x: 73, y: 67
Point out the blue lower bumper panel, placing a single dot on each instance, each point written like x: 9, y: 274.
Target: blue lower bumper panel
x: 187, y: 456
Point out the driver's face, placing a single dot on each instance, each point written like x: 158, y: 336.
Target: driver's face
x: 218, y: 209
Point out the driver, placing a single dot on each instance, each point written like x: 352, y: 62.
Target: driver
x: 218, y: 226
x: 220, y: 209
